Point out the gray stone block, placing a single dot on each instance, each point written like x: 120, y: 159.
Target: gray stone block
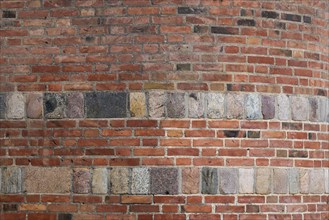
x: 54, y: 105
x: 196, y: 105
x: 314, y: 109
x: 253, y: 106
x: 106, y: 104
x: 304, y: 180
x: 34, y: 103
x: 140, y: 183
x: 176, y: 105
x: 209, y: 179
x: 156, y: 104
x: 228, y: 180
x: 2, y: 106
x: 119, y: 180
x: 299, y: 108
x: 74, y: 105
x: 164, y: 180
x: 324, y: 109
x: 99, y: 182
x: 283, y: 107
x: 326, y: 180
x: 234, y: 105
x: 246, y: 180
x: 15, y: 106
x: 263, y: 180
x: 268, y: 107
x: 215, y: 105
x: 293, y: 181
x: 81, y: 181
x: 317, y: 183
x: 280, y: 181
x: 11, y: 180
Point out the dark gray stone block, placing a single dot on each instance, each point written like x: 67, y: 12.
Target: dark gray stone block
x: 2, y: 105
x: 176, y: 105
x: 209, y: 180
x: 54, y: 105
x: 164, y: 181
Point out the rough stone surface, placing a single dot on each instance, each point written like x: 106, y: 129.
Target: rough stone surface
x: 156, y: 104
x: 54, y: 105
x: 317, y: 184
x: 209, y: 180
x: 140, y: 181
x: 164, y: 181
x: 176, y: 105
x: 228, y: 180
x: 34, y: 105
x: 299, y: 108
x: 253, y: 106
x: 2, y: 105
x: 283, y: 107
x: 280, y: 180
x: 15, y: 107
x: 137, y: 104
x: 263, y: 180
x: 246, y: 180
x: 293, y: 181
x: 326, y: 180
x: 196, y: 105
x: 324, y: 109
x: 119, y: 180
x: 99, y: 182
x: 268, y: 107
x: 304, y: 180
x: 215, y: 105
x: 234, y: 105
x: 190, y: 180
x: 47, y: 180
x: 106, y: 104
x: 11, y: 180
x: 74, y: 105
x: 81, y: 180
x: 314, y: 109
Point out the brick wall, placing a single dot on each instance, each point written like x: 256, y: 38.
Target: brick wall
x: 153, y: 109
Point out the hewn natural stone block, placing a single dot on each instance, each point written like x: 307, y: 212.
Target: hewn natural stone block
x: 176, y: 105
x: 99, y: 182
x: 164, y: 181
x: 156, y: 104
x: 253, y: 106
x: 299, y: 108
x: 317, y: 183
x: 280, y: 180
x: 293, y: 181
x: 106, y: 104
x: 246, y: 180
x: 15, y: 107
x: 314, y: 109
x: 324, y: 109
x: 283, y: 107
x: 228, y: 180
x: 196, y: 105
x: 268, y: 107
x: 34, y: 103
x: 81, y: 180
x: 140, y: 183
x: 137, y: 104
x: 304, y: 180
x: 54, y: 105
x: 209, y: 180
x: 119, y: 180
x: 234, y: 105
x: 2, y: 105
x: 74, y: 105
x: 215, y: 105
x: 263, y: 180
x: 326, y: 180
x: 11, y: 180
x: 47, y: 180
x: 190, y: 180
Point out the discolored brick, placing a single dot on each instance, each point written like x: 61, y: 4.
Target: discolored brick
x: 119, y: 180
x: 140, y: 183
x: 246, y: 22
x: 47, y: 180
x: 234, y: 105
x: 283, y: 107
x: 190, y: 180
x: 137, y: 104
x: 215, y: 105
x: 263, y: 180
x: 191, y: 10
x: 269, y: 14
x: 196, y: 105
x: 253, y: 134
x: 64, y: 216
x: 268, y: 107
x: 2, y: 105
x: 156, y: 104
x: 164, y: 181
x: 176, y: 105
x: 11, y: 180
x: 280, y: 181
x: 74, y: 105
x: 299, y: 108
x: 99, y: 181
x: 253, y: 106
x: 317, y: 181
x: 246, y: 180
x: 34, y: 105
x: 209, y: 178
x: 54, y: 105
x: 183, y: 67
x: 293, y: 181
x: 228, y: 180
x: 15, y: 106
x: 81, y: 180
